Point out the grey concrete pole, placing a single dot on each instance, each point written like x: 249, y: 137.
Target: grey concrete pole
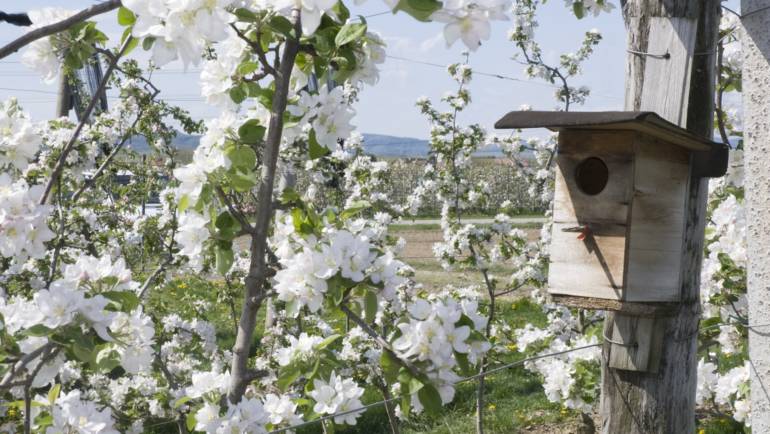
x: 756, y: 113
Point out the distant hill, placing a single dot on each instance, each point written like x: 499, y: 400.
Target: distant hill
x: 375, y: 144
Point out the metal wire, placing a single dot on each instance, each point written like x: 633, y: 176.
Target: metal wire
x: 667, y: 55
x: 493, y: 371
x: 462, y: 380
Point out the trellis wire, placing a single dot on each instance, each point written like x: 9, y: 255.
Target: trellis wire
x: 462, y: 380
x: 484, y: 374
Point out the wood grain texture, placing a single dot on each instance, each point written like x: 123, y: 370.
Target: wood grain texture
x: 593, y: 266
x: 667, y: 80
x: 638, y: 402
x: 638, y: 336
x: 648, y: 310
x: 656, y: 233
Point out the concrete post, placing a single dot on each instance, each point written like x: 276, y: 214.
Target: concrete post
x: 756, y: 112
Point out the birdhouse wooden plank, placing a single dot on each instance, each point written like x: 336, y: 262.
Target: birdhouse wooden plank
x: 619, y: 205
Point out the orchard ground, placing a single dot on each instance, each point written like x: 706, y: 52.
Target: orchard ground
x: 515, y: 401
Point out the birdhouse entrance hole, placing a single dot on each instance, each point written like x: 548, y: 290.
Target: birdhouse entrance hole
x: 591, y: 176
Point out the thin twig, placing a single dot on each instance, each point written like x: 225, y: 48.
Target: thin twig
x: 57, y: 170
x: 22, y: 363
x: 380, y: 340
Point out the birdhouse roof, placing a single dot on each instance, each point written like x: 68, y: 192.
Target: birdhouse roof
x: 645, y: 122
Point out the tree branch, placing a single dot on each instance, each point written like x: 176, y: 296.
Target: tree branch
x: 380, y: 341
x: 60, y: 26
x: 22, y: 363
x: 258, y: 269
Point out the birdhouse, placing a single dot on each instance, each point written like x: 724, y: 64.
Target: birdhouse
x: 622, y: 182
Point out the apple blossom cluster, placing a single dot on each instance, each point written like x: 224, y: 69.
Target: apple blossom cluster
x: 81, y: 299
x: 441, y: 334
x: 470, y: 20
x: 596, y: 7
x: 571, y: 378
x: 308, y: 264
x: 44, y: 55
x: 729, y: 390
x: 23, y: 221
x: 337, y: 395
x: 70, y: 412
x: 19, y: 138
x: 329, y: 114
x: 180, y: 29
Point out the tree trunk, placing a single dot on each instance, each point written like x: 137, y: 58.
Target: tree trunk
x: 664, y: 402
x: 756, y: 111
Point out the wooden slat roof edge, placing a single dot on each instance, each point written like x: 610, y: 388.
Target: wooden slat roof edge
x: 646, y: 122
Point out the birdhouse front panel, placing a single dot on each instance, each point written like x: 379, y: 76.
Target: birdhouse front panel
x: 592, y: 202
x: 657, y: 221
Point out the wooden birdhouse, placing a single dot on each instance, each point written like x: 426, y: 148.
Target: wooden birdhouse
x: 619, y: 205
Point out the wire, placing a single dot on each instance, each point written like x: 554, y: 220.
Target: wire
x: 462, y: 380
x: 13, y: 89
x: 378, y: 14
x: 747, y: 14
x: 493, y: 75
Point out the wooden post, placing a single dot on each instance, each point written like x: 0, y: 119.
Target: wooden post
x: 63, y: 97
x: 756, y: 112
x: 675, y: 79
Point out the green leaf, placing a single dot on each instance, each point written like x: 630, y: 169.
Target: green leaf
x: 147, y: 43
x: 38, y: 330
x: 224, y: 257
x: 328, y: 341
x: 246, y: 15
x: 132, y: 44
x: 314, y: 148
x: 237, y: 95
x: 281, y: 25
x: 419, y: 9
x: 241, y: 181
x: 462, y: 362
x: 242, y: 158
x: 290, y: 197
x: 430, y: 399
x: 107, y: 359
x: 247, y: 68
x: 191, y: 422
x: 126, y: 301
x: 184, y: 203
x: 355, y: 208
x: 227, y: 225
x: 579, y: 9
x: 370, y: 305
x: 263, y: 94
x: 390, y: 367
x: 287, y: 376
x: 350, y: 32
x: 341, y: 12
x: 54, y: 393
x: 252, y: 132
x: 126, y: 17
x: 181, y: 401
x: 302, y: 224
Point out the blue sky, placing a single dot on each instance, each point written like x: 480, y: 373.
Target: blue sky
x: 388, y: 107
